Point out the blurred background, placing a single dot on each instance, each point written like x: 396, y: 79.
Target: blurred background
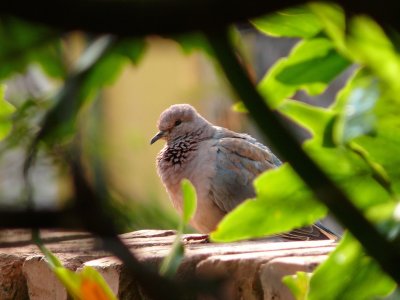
x: 115, y: 130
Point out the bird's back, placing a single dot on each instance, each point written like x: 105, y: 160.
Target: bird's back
x: 239, y: 160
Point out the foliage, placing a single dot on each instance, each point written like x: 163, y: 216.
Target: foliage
x: 6, y: 111
x: 351, y: 274
x: 299, y: 284
x: 354, y: 141
x: 171, y: 262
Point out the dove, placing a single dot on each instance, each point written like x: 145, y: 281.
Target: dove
x: 220, y: 163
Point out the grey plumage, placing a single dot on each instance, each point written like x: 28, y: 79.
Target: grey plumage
x: 239, y: 160
x: 220, y: 163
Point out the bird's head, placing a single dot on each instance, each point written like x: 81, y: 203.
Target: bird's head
x: 178, y: 120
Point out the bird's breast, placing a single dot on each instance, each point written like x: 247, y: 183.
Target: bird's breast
x: 178, y: 153
x: 198, y: 165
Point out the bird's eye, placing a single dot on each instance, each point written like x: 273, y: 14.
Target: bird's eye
x: 177, y: 122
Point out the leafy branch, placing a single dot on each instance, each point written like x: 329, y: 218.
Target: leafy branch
x: 271, y: 125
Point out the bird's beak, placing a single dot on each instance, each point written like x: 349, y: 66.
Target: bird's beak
x: 157, y: 137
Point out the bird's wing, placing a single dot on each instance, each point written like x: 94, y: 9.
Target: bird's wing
x: 238, y: 161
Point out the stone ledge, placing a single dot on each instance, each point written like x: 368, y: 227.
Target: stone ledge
x: 254, y: 268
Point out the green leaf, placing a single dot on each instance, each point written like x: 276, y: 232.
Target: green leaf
x: 298, y: 284
x: 318, y: 64
x: 52, y: 260
x: 171, y: 262
x: 351, y: 173
x: 349, y: 274
x: 292, y: 22
x: 369, y: 46
x: 6, y: 112
x: 321, y: 69
x: 70, y: 280
x: 378, y: 172
x: 24, y: 43
x: 189, y: 200
x: 133, y: 49
x: 50, y: 59
x: 355, y: 105
x: 318, y: 121
x: 367, y: 122
x: 275, y: 209
x: 239, y: 107
x: 383, y: 149
x: 273, y: 90
x: 332, y: 20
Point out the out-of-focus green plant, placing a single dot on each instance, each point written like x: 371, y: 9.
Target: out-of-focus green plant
x: 171, y: 262
x: 298, y: 284
x: 87, y: 284
x: 6, y: 111
x: 354, y: 140
x: 348, y: 273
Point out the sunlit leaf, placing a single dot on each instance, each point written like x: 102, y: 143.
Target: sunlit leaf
x: 171, y: 262
x: 239, y: 107
x: 283, y: 202
x: 367, y: 117
x: 6, y: 111
x: 332, y: 20
x: 273, y: 90
x: 351, y: 173
x: 370, y: 47
x: 349, y: 273
x: 292, y: 22
x: 315, y: 119
x: 52, y: 260
x: 189, y: 200
x: 378, y: 172
x: 70, y: 280
x: 321, y: 69
x: 298, y: 284
x: 311, y: 66
x: 383, y: 149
